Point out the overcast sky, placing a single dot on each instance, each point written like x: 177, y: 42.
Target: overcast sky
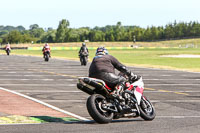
x: 81, y: 13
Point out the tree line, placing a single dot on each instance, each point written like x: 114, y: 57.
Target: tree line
x: 108, y: 33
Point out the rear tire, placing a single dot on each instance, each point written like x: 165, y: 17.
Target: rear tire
x: 147, y: 110
x: 101, y: 116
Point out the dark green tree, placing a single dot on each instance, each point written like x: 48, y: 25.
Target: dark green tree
x: 62, y: 33
x: 34, y: 26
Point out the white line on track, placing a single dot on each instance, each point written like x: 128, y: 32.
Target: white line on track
x: 49, y: 91
x: 177, y: 117
x: 37, y: 84
x: 170, y: 91
x: 172, y: 79
x: 9, y: 124
x: 37, y: 79
x: 166, y: 75
x: 176, y: 101
x: 27, y: 75
x: 149, y: 75
x: 19, y: 72
x: 169, y: 84
x: 52, y: 69
x: 26, y: 79
x: 38, y: 75
x: 46, y: 104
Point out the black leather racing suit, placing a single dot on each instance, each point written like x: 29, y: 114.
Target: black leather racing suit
x: 103, y: 67
x: 83, y: 49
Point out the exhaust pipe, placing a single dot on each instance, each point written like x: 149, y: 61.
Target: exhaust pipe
x: 85, y: 89
x: 96, y: 85
x: 92, y: 83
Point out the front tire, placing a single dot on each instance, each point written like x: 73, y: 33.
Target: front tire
x: 95, y: 110
x: 46, y: 57
x: 147, y: 110
x: 84, y: 61
x: 81, y: 60
x: 8, y: 52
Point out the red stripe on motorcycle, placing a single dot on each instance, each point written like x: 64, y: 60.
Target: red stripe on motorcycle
x: 130, y: 88
x: 140, y: 90
x: 108, y: 87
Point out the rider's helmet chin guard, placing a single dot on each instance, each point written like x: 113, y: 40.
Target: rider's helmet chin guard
x: 101, y: 51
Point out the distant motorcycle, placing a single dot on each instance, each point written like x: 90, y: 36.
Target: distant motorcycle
x: 7, y: 51
x: 46, y: 55
x: 102, y: 107
x: 83, y: 58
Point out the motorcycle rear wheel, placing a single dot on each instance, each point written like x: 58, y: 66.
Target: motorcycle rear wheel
x: 95, y: 110
x: 147, y: 110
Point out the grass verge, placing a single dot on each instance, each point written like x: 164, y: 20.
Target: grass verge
x: 15, y: 119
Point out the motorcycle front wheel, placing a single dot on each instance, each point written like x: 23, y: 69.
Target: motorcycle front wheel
x: 147, y: 110
x: 95, y: 110
x: 84, y: 61
x: 8, y: 52
x: 46, y: 57
x: 81, y: 60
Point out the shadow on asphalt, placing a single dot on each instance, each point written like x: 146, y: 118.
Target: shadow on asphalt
x: 114, y: 121
x: 68, y: 120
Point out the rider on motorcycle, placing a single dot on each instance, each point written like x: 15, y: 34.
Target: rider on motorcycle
x: 83, y: 49
x: 7, y: 46
x: 102, y: 67
x: 46, y: 48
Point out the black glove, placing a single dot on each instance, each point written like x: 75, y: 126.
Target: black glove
x: 125, y: 70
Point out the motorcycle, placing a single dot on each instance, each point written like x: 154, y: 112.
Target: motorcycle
x: 46, y: 55
x: 7, y: 51
x: 83, y: 58
x: 103, y: 107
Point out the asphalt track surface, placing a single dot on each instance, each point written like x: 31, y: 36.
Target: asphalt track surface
x: 175, y: 95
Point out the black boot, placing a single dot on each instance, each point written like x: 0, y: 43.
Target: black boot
x: 117, y: 93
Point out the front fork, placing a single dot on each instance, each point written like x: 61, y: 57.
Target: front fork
x: 136, y: 105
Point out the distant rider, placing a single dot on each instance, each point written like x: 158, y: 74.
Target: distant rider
x: 83, y: 49
x: 7, y: 46
x: 103, y: 67
x: 46, y: 48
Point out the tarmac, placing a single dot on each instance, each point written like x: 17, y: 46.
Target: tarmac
x: 174, y: 94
